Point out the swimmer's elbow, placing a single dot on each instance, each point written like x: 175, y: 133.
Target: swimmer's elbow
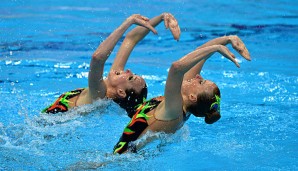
x: 176, y: 67
x: 98, y: 57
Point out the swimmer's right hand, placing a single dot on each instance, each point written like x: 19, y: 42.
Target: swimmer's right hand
x: 142, y: 21
x: 171, y: 22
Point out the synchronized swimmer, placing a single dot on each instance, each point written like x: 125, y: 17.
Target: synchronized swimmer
x: 192, y: 94
x: 122, y: 86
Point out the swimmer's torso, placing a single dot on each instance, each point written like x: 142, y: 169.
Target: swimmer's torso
x: 144, y: 120
x: 157, y: 125
x: 66, y: 101
x: 69, y: 100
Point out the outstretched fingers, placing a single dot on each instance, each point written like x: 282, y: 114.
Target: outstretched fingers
x: 240, y: 47
x: 166, y: 18
x: 171, y: 23
x: 228, y: 54
x: 175, y: 31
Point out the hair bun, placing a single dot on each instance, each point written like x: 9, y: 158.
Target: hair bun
x: 210, y: 118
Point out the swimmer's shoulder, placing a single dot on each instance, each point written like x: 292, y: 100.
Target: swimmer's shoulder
x: 84, y: 98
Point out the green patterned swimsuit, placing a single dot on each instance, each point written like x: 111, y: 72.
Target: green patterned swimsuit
x: 61, y: 104
x: 135, y: 127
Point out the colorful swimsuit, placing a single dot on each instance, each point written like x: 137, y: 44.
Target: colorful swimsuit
x: 140, y: 122
x: 61, y: 104
x: 136, y: 126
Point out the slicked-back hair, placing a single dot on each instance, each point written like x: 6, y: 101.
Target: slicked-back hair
x: 131, y: 100
x: 202, y: 108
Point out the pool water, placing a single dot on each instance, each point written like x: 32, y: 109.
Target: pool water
x: 45, y: 50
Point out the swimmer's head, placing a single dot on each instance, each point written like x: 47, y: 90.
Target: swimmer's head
x: 132, y: 99
x: 207, y: 103
x: 128, y: 89
x: 121, y: 81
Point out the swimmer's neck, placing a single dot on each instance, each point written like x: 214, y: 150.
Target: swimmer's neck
x: 111, y: 92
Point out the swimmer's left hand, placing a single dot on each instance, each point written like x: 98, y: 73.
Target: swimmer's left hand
x: 141, y: 21
x: 239, y: 46
x: 171, y: 23
x: 227, y: 53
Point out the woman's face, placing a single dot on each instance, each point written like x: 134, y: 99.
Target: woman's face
x: 126, y: 80
x: 197, y: 85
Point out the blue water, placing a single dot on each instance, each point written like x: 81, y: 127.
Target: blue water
x: 45, y: 49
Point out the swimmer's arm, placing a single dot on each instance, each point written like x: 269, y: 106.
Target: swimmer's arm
x: 97, y: 88
x: 237, y: 44
x: 137, y: 34
x: 171, y: 109
x: 198, y: 67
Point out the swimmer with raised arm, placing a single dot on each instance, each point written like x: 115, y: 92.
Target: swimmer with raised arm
x: 123, y: 87
x: 186, y: 93
x: 131, y: 40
